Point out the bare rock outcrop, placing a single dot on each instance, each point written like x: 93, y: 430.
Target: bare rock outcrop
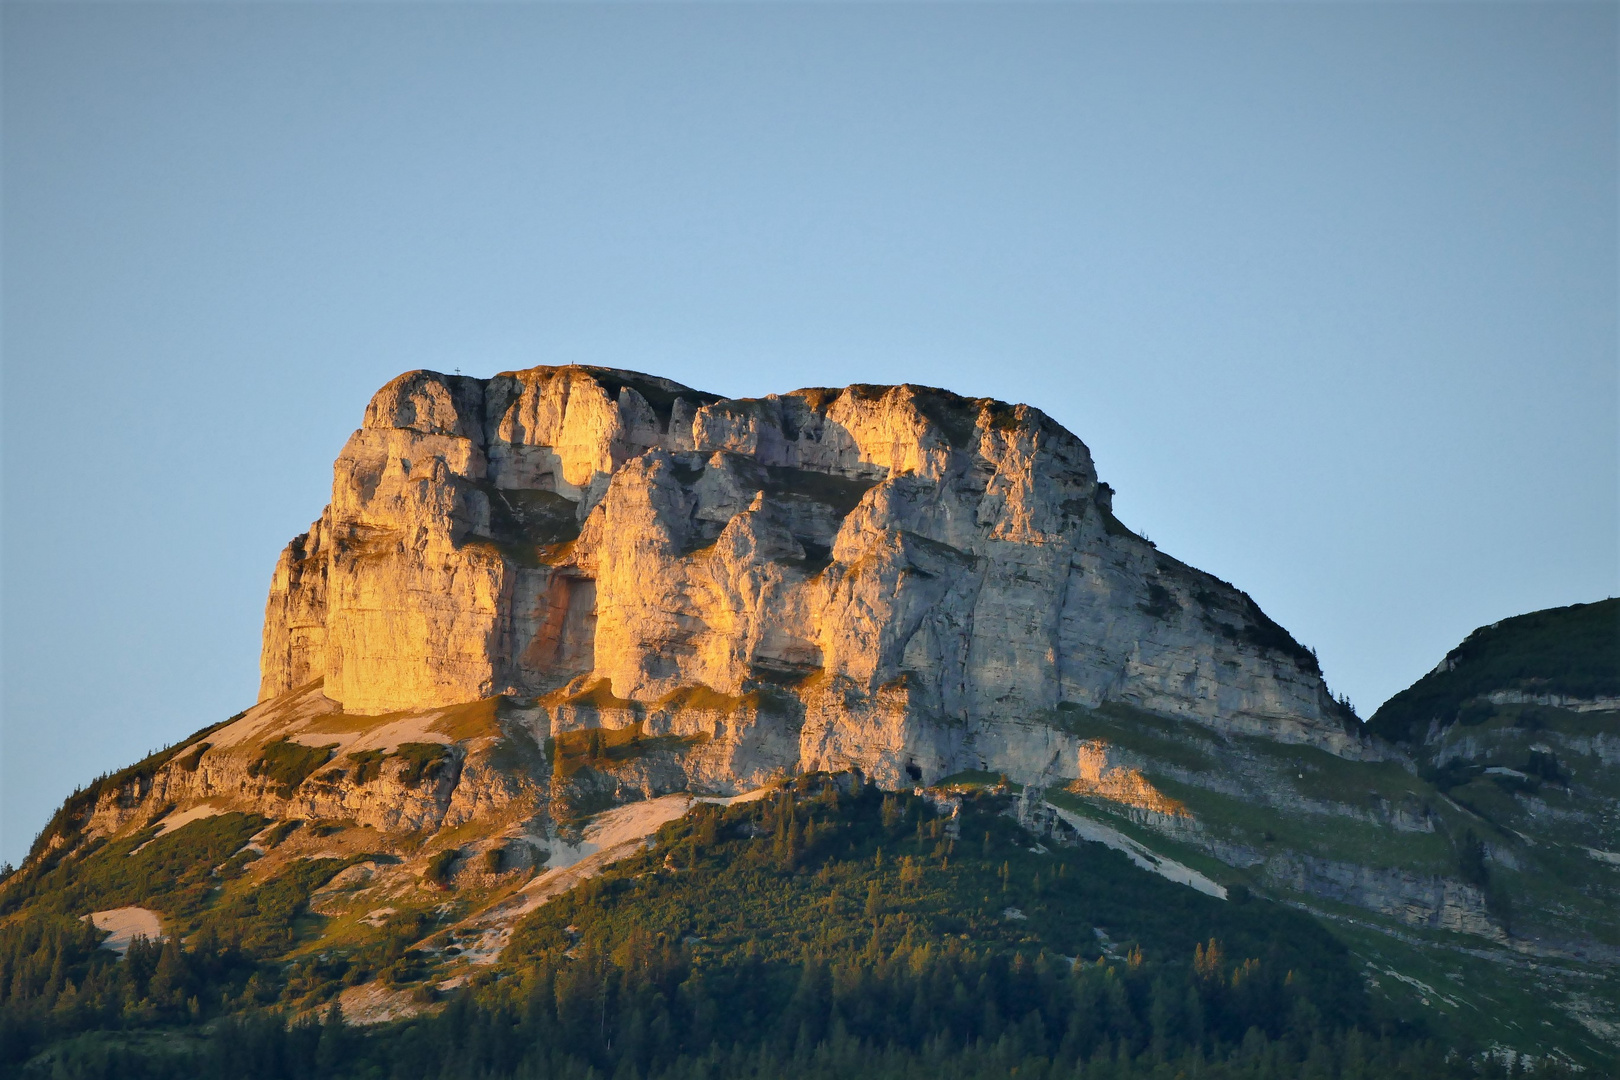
x: 297, y: 756
x: 911, y: 581
x: 1435, y: 902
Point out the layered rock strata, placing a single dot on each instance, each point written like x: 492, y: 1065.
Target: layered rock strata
x: 888, y: 577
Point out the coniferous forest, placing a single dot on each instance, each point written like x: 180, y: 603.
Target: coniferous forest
x: 830, y: 930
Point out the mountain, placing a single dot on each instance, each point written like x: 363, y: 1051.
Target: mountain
x: 746, y: 708
x: 904, y: 575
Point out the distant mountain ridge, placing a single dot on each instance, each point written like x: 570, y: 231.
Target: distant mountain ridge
x: 1569, y: 656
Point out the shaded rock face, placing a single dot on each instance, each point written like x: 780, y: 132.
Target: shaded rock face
x: 893, y: 578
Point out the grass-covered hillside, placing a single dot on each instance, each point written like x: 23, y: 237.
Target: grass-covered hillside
x: 1571, y: 652
x: 827, y: 930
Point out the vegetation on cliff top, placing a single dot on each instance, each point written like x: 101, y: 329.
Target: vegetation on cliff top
x: 1569, y: 651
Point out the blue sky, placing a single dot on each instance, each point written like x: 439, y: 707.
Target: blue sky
x: 1329, y: 290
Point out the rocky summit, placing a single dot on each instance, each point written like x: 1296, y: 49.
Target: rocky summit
x: 666, y: 734
x: 892, y: 578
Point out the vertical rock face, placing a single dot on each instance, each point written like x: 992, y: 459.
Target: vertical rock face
x: 894, y: 577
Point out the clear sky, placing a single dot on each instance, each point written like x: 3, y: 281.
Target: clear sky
x: 1329, y: 290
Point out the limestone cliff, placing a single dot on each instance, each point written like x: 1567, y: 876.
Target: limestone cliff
x: 895, y: 578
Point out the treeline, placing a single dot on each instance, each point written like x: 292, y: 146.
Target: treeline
x: 55, y: 982
x: 916, y: 1013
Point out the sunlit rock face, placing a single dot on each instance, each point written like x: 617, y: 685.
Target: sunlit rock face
x: 890, y: 577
